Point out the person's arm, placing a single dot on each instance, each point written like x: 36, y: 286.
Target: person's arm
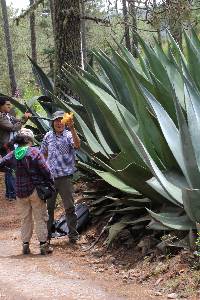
x: 6, y: 162
x: 75, y: 138
x: 8, y: 126
x: 44, y: 147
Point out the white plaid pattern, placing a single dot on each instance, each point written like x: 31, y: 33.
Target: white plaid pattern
x: 61, y: 153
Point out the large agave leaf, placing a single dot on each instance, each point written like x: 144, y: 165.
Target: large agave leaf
x: 112, y: 119
x: 175, y: 78
x: 155, y: 64
x: 42, y: 79
x: 115, y: 229
x: 111, y: 179
x: 174, y: 192
x: 192, y: 172
x: 135, y: 176
x: 192, y: 204
x: 148, y: 131
x: 116, y: 79
x: 193, y: 59
x: 173, y: 222
x: 39, y: 122
x: 99, y: 125
x: 179, y: 143
x: 192, y: 97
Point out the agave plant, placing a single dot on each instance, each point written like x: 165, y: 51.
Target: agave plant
x: 142, y: 120
x: 139, y: 122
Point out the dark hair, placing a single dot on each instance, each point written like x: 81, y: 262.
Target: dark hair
x: 3, y: 101
x: 22, y: 140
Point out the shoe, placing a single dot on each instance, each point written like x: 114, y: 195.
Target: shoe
x: 26, y: 250
x: 45, y: 249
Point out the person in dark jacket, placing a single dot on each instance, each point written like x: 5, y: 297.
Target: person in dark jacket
x: 31, y: 169
x: 9, y: 125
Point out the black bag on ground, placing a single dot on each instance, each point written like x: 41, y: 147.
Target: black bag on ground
x: 82, y: 212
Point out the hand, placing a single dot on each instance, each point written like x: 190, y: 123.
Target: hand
x: 27, y: 115
x: 70, y: 123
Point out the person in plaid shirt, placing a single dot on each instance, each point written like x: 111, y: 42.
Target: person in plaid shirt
x: 59, y: 146
x: 31, y: 169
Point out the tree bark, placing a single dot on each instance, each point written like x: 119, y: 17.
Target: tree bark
x: 67, y: 39
x: 175, y: 21
x: 83, y: 34
x: 134, y: 41
x: 33, y: 34
x: 13, y: 84
x: 51, y: 4
x: 126, y: 25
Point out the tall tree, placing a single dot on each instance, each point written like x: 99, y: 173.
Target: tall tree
x: 133, y: 14
x: 33, y: 34
x: 13, y: 84
x: 67, y: 39
x: 83, y: 33
x: 126, y: 25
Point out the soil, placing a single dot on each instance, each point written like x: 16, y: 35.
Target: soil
x: 70, y: 272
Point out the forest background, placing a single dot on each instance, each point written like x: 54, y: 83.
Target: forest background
x: 104, y: 21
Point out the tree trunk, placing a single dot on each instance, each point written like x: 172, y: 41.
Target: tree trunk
x: 51, y: 4
x: 132, y: 11
x: 158, y: 25
x: 83, y: 34
x: 175, y: 20
x: 33, y: 34
x: 67, y: 40
x: 126, y: 25
x: 13, y: 84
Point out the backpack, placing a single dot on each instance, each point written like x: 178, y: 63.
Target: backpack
x: 60, y: 227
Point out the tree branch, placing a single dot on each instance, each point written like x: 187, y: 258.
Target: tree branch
x: 28, y: 11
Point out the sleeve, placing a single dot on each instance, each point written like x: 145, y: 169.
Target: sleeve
x: 44, y: 146
x: 70, y: 139
x: 23, y: 120
x: 8, y: 126
x: 6, y: 162
x: 43, y: 169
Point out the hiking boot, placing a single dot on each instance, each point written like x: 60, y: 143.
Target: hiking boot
x: 45, y: 249
x: 26, y: 250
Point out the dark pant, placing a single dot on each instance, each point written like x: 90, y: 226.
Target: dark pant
x: 64, y: 189
x: 10, y: 184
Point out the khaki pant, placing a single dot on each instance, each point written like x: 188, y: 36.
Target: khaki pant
x: 29, y: 208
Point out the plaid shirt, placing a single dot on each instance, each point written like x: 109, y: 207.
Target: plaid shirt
x: 61, y: 153
x: 25, y: 181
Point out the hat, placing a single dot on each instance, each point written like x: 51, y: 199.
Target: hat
x: 57, y: 114
x: 26, y: 132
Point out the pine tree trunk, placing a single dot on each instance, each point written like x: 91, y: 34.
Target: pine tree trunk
x: 126, y: 25
x: 175, y: 22
x: 13, y: 84
x: 83, y: 34
x: 132, y: 11
x: 51, y: 4
x: 33, y: 34
x: 67, y: 39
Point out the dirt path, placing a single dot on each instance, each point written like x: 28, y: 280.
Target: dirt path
x: 66, y: 274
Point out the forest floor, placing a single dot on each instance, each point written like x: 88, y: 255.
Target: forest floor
x: 72, y: 273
